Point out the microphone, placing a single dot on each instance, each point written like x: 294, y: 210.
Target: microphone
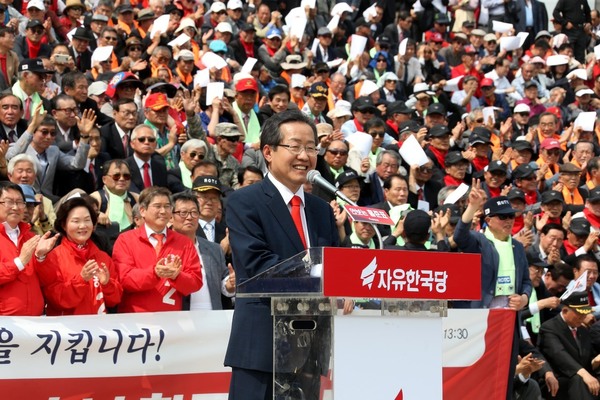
x: 316, y: 178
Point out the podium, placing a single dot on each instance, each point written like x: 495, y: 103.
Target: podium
x: 320, y: 353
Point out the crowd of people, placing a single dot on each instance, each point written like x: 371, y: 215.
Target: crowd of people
x: 134, y: 135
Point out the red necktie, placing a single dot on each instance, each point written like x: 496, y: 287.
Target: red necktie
x: 147, y: 180
x: 159, y: 244
x: 296, y: 202
x: 574, y: 333
x: 125, y: 145
x: 27, y: 113
x: 420, y: 194
x: 93, y: 173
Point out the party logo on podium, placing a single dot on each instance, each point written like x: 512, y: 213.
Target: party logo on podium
x: 368, y: 273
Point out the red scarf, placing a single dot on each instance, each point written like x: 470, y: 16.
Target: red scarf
x: 530, y: 197
x: 594, y: 220
x: 450, y: 181
x: 3, y: 66
x: 495, y: 192
x: 248, y: 48
x: 392, y: 125
x: 359, y: 126
x: 569, y: 247
x: 33, y: 48
x: 271, y: 51
x: 440, y: 156
x: 551, y: 220
x: 519, y: 224
x: 480, y: 163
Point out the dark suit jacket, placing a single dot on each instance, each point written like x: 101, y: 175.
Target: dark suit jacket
x: 158, y: 171
x: 66, y: 181
x: 101, y: 118
x: 331, y: 54
x: 325, y: 171
x: 372, y: 192
x: 174, y: 180
x: 66, y: 146
x: 111, y: 142
x: 22, y: 49
x: 561, y: 350
x: 86, y: 60
x: 430, y: 191
x: 540, y: 16
x: 262, y: 235
x: 239, y: 53
x: 19, y: 128
x: 385, y: 230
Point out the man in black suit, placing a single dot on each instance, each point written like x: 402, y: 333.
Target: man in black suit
x: 269, y: 222
x: 76, y: 85
x: 395, y: 193
x: 79, y: 49
x: 116, y: 136
x: 422, y: 187
x: 147, y: 168
x: 568, y: 348
x: 325, y: 52
x: 387, y: 164
x: 208, y: 192
x: 64, y: 111
x: 11, y: 113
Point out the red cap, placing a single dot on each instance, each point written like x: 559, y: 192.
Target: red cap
x: 436, y: 37
x: 487, y: 82
x: 469, y: 49
x: 556, y: 111
x: 246, y: 84
x: 550, y: 143
x: 120, y: 78
x: 156, y: 101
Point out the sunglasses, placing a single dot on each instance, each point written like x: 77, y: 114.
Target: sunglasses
x: 116, y: 177
x: 193, y: 154
x: 553, y: 152
x: 47, y: 132
x: 523, y: 114
x: 111, y: 38
x: 37, y: 31
x: 135, y: 48
x: 145, y: 139
x: 232, y: 139
x: 426, y: 170
x: 504, y: 217
x: 381, y: 60
x: 375, y: 134
x: 338, y: 152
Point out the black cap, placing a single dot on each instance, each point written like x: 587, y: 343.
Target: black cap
x: 345, y: 177
x: 321, y: 67
x: 523, y: 171
x: 318, y: 89
x: 468, y: 24
x: 398, y: 107
x: 83, y: 34
x: 439, y: 131
x: 33, y: 65
x: 363, y: 103
x: 594, y: 195
x: 436, y: 108
x: 498, y: 206
x: 475, y: 139
x: 529, y: 84
x: 580, y: 226
x: 204, y: 183
x: 442, y: 18
x: 125, y: 8
x: 552, y: 195
x: 246, y: 27
x: 454, y: 157
x: 516, y: 194
x: 454, y: 212
x: 483, y: 132
x: 578, y: 301
x: 522, y: 145
x: 171, y: 8
x: 496, y: 166
x: 417, y: 223
x: 533, y: 258
x: 408, y: 126
x: 34, y: 23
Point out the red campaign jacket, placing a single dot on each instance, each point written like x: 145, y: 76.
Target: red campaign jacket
x: 143, y: 291
x: 65, y: 290
x: 20, y: 292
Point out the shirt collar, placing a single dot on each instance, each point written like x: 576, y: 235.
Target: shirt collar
x: 286, y: 193
x: 150, y: 231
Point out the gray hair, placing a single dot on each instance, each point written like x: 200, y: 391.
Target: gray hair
x: 138, y: 128
x: 21, y: 158
x: 192, y: 144
x: 390, y: 153
x: 445, y: 192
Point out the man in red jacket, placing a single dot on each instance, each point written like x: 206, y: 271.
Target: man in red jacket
x: 157, y: 266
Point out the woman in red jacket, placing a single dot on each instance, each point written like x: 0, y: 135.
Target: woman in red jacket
x: 77, y: 277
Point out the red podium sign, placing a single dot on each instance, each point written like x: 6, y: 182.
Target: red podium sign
x: 400, y: 274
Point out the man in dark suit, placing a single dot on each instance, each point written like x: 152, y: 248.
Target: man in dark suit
x: 147, y: 168
x: 208, y: 192
x: 218, y: 279
x: 116, y: 136
x: 75, y: 84
x: 422, y: 187
x: 12, y: 124
x: 325, y: 52
x: 64, y: 111
x: 395, y: 193
x: 568, y: 348
x: 269, y: 222
x: 387, y: 164
x: 79, y: 49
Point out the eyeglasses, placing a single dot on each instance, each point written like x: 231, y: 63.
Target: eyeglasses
x: 111, y: 38
x: 37, y: 31
x: 193, y: 154
x: 492, y: 42
x: 232, y: 139
x: 135, y: 48
x: 185, y: 214
x: 426, y: 170
x: 116, y: 177
x: 296, y: 149
x: 77, y: 9
x: 12, y: 203
x: 166, y: 207
x: 47, y: 132
x: 375, y: 134
x: 336, y: 152
x: 504, y: 217
x: 381, y: 60
x: 128, y: 113
x: 144, y: 139
x: 68, y: 110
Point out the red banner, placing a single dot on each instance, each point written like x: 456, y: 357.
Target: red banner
x: 401, y: 274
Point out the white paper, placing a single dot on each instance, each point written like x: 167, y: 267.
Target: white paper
x: 294, y: 13
x: 452, y: 84
x: 522, y: 37
x: 369, y: 13
x: 586, y: 120
x: 297, y: 28
x: 71, y: 33
x: 362, y: 142
x: 309, y: 3
x: 509, y: 43
x: 315, y: 46
x: 597, y: 52
x: 160, y: 25
x: 487, y: 113
x: 335, y: 63
x: 211, y: 60
x: 333, y: 24
x: 397, y: 212
x: 101, y: 54
x: 357, y: 46
x: 439, y: 5
x: 202, y: 78
x: 460, y: 191
x: 501, y: 27
x: 423, y: 205
x: 214, y: 90
x: 339, y: 9
x: 179, y: 40
x: 298, y: 80
x: 412, y: 152
x: 402, y: 47
x: 248, y: 65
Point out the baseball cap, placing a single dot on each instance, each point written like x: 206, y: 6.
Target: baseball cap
x: 490, y: 37
x: 156, y: 101
x: 436, y: 37
x: 33, y: 65
x: 97, y: 88
x: 487, y: 82
x: 516, y: 193
x: 121, y: 78
x: 496, y: 166
x: 205, y: 183
x: 436, y: 108
x: 273, y: 32
x: 454, y: 157
x: 594, y: 196
x: 224, y: 27
x: 476, y: 138
x: 521, y: 108
x: 408, y: 126
x: 498, y: 206
x: 543, y: 33
x: 34, y: 23
x: 218, y: 46
x: 569, y: 168
x: 522, y: 145
x: 439, y: 130
x: 318, y: 89
x: 533, y: 258
x: 345, y: 177
x: 523, y: 171
x: 323, y: 31
x: 246, y: 84
x: 454, y: 212
x: 398, y: 107
x: 29, y: 194
x: 185, y: 55
x: 550, y: 143
x: 234, y: 4
x: 227, y: 129
x: 39, y: 4
x: 217, y: 6
x: 478, y: 32
x: 145, y: 14
x: 582, y: 90
x: 580, y: 226
x: 469, y: 49
x: 552, y: 195
x: 363, y: 104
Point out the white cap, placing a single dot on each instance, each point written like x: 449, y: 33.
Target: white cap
x: 342, y: 108
x: 39, y: 4
x: 217, y: 6
x: 298, y: 81
x: 537, y: 59
x: 578, y: 73
x: 519, y: 108
x: 186, y: 23
x: 224, y: 27
x: 557, y: 59
x: 234, y: 4
x: 97, y: 88
x: 582, y: 92
x: 185, y: 55
x: 367, y: 88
